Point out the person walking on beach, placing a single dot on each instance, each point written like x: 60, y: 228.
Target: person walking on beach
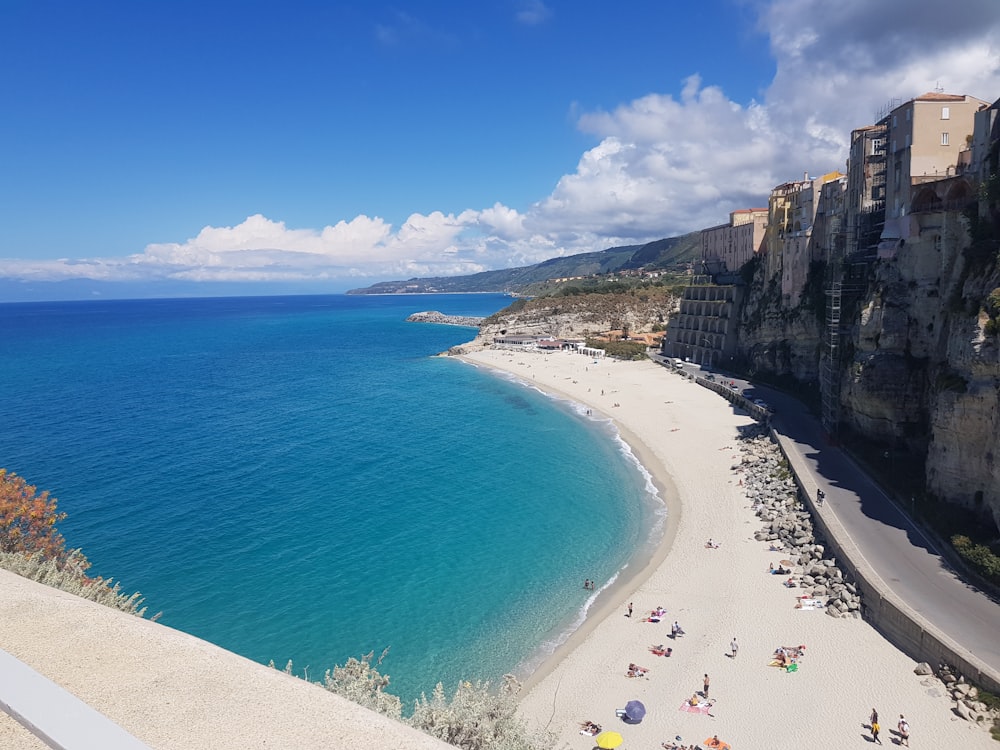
x: 734, y: 648
x: 629, y: 610
x: 705, y: 693
x: 904, y: 731
x: 873, y: 725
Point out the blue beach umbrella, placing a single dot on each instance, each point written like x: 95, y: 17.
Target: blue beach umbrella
x: 635, y: 711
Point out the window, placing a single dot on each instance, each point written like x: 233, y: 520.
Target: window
x: 944, y: 139
x: 894, y: 120
x: 945, y: 113
x: 908, y: 113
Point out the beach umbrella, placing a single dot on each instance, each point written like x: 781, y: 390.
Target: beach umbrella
x: 609, y: 740
x: 716, y: 744
x: 635, y: 711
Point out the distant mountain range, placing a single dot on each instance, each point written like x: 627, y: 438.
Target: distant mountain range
x: 673, y: 253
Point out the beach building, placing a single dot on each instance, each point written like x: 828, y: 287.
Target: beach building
x: 517, y: 340
x: 704, y: 329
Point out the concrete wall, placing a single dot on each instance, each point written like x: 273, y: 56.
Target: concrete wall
x: 901, y: 625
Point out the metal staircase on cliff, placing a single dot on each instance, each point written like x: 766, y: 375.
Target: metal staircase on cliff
x: 830, y: 368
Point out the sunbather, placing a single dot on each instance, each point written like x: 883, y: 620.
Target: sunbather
x: 590, y: 728
x: 634, y: 670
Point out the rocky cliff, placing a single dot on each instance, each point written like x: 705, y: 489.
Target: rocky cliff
x: 777, y: 338
x: 579, y: 316
x: 920, y: 366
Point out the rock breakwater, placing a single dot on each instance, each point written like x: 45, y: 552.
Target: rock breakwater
x: 789, y: 529
x: 433, y: 316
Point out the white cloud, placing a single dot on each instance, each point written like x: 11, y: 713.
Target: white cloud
x: 533, y: 13
x: 662, y: 164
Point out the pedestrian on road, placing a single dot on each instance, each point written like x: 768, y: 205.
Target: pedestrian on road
x: 734, y: 648
x: 706, y: 686
x: 904, y: 731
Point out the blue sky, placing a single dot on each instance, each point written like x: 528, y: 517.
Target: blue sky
x: 327, y: 145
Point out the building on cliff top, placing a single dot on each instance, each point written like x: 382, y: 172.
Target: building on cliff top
x: 925, y: 136
x: 727, y: 247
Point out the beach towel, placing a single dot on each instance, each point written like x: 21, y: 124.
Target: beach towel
x: 703, y: 707
x: 809, y: 604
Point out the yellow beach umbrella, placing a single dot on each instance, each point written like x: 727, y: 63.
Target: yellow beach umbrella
x: 609, y: 740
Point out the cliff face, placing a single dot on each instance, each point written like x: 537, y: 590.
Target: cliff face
x: 776, y: 338
x: 924, y: 371
x: 920, y: 367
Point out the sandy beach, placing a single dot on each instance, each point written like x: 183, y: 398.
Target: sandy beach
x: 685, y: 436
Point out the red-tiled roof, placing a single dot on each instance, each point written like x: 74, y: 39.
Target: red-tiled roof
x: 934, y: 96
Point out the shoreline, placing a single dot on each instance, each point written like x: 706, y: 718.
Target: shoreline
x: 639, y: 568
x: 685, y: 437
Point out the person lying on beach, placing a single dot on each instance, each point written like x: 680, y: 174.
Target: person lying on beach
x: 590, y: 728
x: 634, y: 670
x: 710, y: 544
x: 790, y: 583
x: 781, y: 570
x: 661, y: 650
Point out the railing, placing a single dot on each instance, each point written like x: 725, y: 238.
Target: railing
x: 57, y: 717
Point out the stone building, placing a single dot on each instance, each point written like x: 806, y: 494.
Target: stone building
x: 925, y: 137
x: 727, y: 247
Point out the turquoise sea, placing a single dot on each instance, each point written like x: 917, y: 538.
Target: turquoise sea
x: 298, y: 478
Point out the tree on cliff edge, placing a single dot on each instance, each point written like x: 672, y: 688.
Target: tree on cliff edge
x: 31, y: 546
x: 28, y: 520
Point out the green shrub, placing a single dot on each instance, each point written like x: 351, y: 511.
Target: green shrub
x: 620, y: 349
x: 69, y: 576
x: 360, y: 682
x: 980, y: 557
x: 477, y: 718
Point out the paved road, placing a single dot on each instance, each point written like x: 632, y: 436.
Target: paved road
x: 905, y: 559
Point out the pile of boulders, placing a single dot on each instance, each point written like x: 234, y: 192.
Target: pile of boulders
x: 788, y: 526
x: 964, y: 695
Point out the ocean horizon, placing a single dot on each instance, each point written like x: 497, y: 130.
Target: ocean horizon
x: 301, y: 479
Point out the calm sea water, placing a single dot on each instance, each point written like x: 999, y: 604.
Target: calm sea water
x: 298, y: 478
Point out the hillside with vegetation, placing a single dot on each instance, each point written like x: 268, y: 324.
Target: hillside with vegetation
x: 672, y: 255
x: 613, y: 312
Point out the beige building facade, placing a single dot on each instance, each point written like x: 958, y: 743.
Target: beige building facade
x: 925, y: 136
x: 727, y: 247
